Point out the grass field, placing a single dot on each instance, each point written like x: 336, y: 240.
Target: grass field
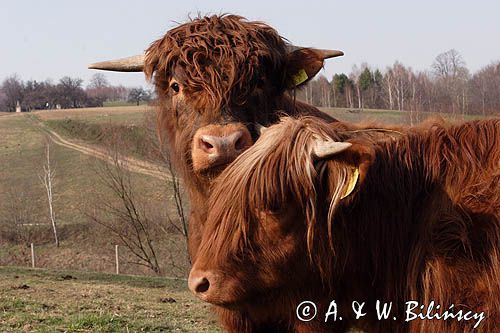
x: 391, y: 116
x: 77, y: 189
x: 123, y: 115
x: 122, y: 103
x: 22, y: 149
x: 68, y: 301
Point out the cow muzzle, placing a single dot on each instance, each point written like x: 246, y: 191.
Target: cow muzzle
x: 207, y: 286
x: 199, y: 283
x: 215, y: 287
x: 218, y: 145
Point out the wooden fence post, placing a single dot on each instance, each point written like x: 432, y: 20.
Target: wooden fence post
x: 116, y: 260
x: 32, y: 255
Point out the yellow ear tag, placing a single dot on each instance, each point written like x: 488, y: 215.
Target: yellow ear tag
x: 300, y: 77
x: 352, y: 183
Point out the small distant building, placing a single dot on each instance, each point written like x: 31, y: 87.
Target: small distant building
x: 18, y: 107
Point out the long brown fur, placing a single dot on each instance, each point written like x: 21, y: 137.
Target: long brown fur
x: 423, y: 223
x: 222, y: 56
x: 232, y: 71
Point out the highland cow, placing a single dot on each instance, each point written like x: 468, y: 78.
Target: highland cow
x: 321, y: 212
x: 217, y: 78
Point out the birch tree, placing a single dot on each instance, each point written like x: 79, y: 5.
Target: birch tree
x: 47, y: 180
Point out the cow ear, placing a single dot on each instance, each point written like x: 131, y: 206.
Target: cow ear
x: 304, y: 63
x: 325, y: 149
x: 354, y: 158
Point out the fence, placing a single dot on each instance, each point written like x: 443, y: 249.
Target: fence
x: 117, y: 260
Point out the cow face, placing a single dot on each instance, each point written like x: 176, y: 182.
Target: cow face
x: 236, y: 266
x: 215, y: 78
x: 265, y: 228
x: 211, y: 95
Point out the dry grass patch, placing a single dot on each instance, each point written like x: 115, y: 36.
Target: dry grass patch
x: 68, y: 301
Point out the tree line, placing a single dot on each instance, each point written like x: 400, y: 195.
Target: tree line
x: 448, y: 86
x: 67, y: 93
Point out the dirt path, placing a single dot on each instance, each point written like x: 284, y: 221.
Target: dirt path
x: 130, y: 163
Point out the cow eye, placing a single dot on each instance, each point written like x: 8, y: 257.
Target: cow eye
x: 175, y: 87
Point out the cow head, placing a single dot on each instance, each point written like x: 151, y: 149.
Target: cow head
x: 269, y: 222
x: 216, y: 77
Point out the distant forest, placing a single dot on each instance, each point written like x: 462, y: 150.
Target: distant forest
x: 66, y: 94
x: 448, y: 86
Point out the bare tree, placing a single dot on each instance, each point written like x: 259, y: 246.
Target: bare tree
x: 175, y: 184
x: 98, y: 81
x: 452, y: 73
x: 449, y: 64
x: 47, y: 180
x: 172, y: 180
x: 138, y: 95
x: 99, y: 88
x: 354, y: 76
x: 127, y: 219
x: 13, y: 92
x: 69, y: 92
x: 484, y: 88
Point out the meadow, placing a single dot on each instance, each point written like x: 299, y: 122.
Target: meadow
x: 73, y: 288
x: 36, y: 300
x: 77, y: 190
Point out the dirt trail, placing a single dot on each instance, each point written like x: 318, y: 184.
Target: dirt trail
x: 130, y: 163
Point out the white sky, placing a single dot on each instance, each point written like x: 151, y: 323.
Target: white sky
x: 50, y: 39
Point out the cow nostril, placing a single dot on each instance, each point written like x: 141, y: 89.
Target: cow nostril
x: 202, y: 286
x: 205, y: 145
x: 239, y: 144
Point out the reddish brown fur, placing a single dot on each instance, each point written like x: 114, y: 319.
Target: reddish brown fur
x: 423, y: 223
x: 231, y: 71
x: 221, y: 57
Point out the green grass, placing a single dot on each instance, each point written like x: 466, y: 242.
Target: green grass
x: 134, y: 139
x: 121, y: 115
x: 77, y: 129
x: 391, y: 117
x: 51, y: 301
x: 121, y: 103
x: 77, y: 189
x: 22, y: 152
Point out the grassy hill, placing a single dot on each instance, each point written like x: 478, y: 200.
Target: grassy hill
x: 68, y: 301
x: 77, y: 190
x: 77, y: 186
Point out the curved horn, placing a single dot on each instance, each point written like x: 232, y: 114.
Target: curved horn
x: 260, y: 128
x: 129, y: 64
x: 324, y: 149
x: 325, y: 54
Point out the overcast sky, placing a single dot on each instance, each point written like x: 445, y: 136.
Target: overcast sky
x: 50, y: 39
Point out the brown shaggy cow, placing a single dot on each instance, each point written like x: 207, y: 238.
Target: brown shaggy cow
x: 319, y: 212
x: 216, y: 77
